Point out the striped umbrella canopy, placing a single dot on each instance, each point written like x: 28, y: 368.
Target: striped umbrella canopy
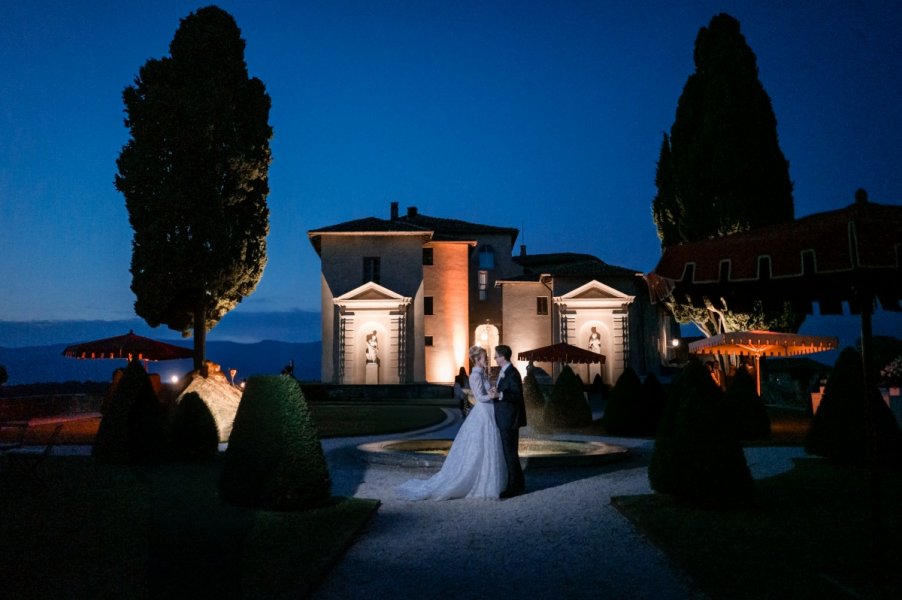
x: 562, y: 353
x: 127, y: 347
x: 762, y: 343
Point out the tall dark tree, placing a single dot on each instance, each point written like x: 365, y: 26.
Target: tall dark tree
x: 721, y: 169
x: 195, y: 178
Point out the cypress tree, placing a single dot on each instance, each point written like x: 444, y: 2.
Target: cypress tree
x: 195, y: 178
x: 721, y: 170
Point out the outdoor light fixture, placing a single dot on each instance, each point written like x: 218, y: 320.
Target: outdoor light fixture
x: 675, y: 343
x: 174, y: 379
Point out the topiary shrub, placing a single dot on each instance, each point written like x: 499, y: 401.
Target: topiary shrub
x: 535, y: 402
x: 132, y: 429
x: 567, y: 407
x: 274, y: 459
x: 750, y: 416
x: 147, y: 428
x: 623, y: 411
x: 653, y: 400
x: 839, y: 427
x: 195, y: 436
x: 697, y: 456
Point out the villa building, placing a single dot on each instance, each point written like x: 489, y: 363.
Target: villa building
x: 404, y: 298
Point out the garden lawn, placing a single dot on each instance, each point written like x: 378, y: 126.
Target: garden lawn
x: 332, y: 420
x: 83, y: 530
x: 809, y: 536
x: 356, y: 419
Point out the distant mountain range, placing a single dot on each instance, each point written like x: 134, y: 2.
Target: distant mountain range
x: 252, y: 343
x: 245, y: 328
x: 42, y: 364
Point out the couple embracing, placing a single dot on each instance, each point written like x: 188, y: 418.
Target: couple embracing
x: 483, y: 461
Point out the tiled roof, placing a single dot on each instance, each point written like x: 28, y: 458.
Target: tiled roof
x: 455, y: 228
x: 369, y: 225
x: 568, y: 264
x: 438, y: 229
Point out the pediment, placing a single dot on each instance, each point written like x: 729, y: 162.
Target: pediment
x: 370, y: 291
x: 371, y: 295
x: 595, y: 290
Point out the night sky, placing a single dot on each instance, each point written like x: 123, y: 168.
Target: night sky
x: 544, y: 116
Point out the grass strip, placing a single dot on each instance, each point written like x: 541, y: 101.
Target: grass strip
x: 352, y: 420
x: 809, y: 535
x: 83, y: 530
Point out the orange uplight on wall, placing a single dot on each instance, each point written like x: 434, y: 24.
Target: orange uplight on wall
x: 446, y: 280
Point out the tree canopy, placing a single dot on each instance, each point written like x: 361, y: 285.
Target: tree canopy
x: 195, y: 177
x: 721, y: 170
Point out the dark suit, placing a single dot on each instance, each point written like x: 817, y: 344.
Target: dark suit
x: 510, y: 416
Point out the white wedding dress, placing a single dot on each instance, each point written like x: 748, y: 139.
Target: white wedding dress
x: 475, y: 465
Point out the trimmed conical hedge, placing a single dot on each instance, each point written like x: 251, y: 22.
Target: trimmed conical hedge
x: 839, y: 430
x: 623, y: 411
x: 567, y: 407
x: 751, y: 420
x: 534, y: 400
x: 194, y: 432
x: 274, y: 459
x: 697, y: 456
x: 653, y: 401
x: 132, y: 429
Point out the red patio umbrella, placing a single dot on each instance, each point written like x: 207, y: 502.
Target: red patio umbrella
x: 762, y: 343
x: 562, y: 353
x: 128, y: 346
x: 851, y: 255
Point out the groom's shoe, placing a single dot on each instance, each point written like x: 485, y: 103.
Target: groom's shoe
x: 510, y: 493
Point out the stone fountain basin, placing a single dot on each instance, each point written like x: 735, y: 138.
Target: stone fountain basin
x: 534, y: 453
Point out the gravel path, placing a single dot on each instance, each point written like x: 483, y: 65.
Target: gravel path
x: 562, y: 539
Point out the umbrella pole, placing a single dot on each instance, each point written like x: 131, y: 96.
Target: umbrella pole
x: 758, y: 374
x: 877, y: 549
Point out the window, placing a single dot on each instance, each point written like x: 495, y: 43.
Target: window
x: 486, y: 257
x: 371, y: 266
x: 483, y: 285
x: 541, y: 305
x: 427, y: 305
x: 428, y: 340
x: 427, y: 256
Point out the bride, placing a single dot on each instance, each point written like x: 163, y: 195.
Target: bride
x: 475, y: 465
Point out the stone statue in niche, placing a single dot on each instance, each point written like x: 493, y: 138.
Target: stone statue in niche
x: 595, y: 341
x: 372, y: 348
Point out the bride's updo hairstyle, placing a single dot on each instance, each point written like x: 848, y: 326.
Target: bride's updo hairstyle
x: 475, y: 351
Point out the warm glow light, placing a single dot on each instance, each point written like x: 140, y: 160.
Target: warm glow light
x: 675, y: 343
x: 174, y: 379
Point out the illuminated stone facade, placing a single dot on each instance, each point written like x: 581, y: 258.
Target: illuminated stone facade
x: 403, y: 299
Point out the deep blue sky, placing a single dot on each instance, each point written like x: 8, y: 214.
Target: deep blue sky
x: 545, y: 116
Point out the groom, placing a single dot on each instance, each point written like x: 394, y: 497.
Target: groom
x: 510, y: 416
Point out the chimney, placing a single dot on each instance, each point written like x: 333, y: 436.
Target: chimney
x: 411, y: 211
x: 522, y: 249
x: 394, y: 211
